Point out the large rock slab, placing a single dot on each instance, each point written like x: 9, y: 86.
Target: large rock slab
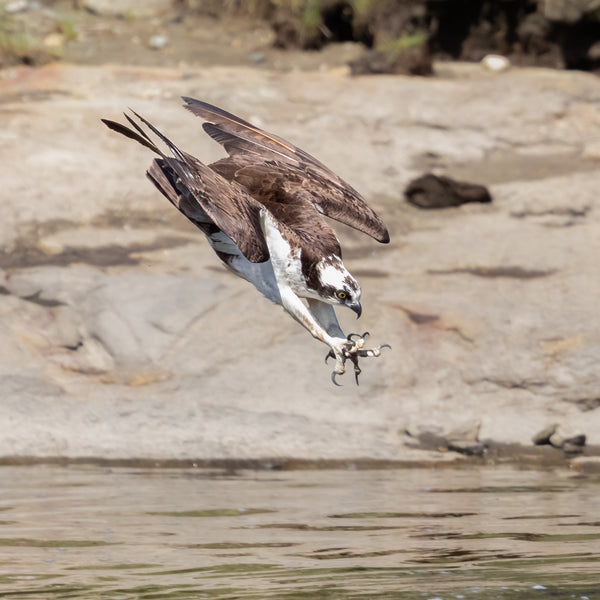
x: 123, y: 337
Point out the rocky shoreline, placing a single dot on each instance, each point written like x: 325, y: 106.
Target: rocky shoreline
x: 123, y: 339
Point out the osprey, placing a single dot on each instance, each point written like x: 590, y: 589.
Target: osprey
x: 260, y: 209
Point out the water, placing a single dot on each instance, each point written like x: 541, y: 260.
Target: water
x: 125, y: 533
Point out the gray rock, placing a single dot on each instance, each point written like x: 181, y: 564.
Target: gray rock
x: 138, y: 316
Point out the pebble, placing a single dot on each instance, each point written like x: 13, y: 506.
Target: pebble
x: 158, y: 42
x: 257, y: 58
x: 495, y: 63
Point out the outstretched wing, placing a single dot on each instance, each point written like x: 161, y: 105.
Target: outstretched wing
x: 331, y: 195
x: 227, y: 204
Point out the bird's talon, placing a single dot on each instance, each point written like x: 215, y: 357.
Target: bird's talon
x: 333, y: 374
x: 353, y: 350
x: 357, y: 369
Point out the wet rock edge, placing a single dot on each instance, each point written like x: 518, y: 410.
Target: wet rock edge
x: 496, y: 453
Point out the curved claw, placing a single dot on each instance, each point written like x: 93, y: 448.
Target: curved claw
x: 333, y: 374
x: 371, y: 352
x: 357, y: 369
x: 358, y: 335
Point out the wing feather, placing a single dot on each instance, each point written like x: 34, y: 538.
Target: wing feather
x: 231, y: 208
x: 333, y: 196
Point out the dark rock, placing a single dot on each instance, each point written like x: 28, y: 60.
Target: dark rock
x: 567, y: 442
x: 571, y: 448
x: 438, y: 191
x: 577, y: 41
x: 551, y: 436
x: 467, y: 448
x: 465, y: 439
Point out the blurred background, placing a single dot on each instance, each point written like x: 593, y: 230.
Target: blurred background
x: 376, y: 36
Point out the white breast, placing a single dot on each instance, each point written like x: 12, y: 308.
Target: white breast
x: 285, y: 260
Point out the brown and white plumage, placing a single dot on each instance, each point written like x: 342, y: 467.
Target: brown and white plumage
x: 261, y: 209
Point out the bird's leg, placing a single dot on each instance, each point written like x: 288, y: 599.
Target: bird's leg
x: 325, y: 315
x: 327, y: 332
x: 352, y: 348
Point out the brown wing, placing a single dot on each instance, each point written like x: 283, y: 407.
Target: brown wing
x: 332, y: 196
x: 231, y: 208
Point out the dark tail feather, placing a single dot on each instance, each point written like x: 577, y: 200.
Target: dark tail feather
x: 137, y: 127
x: 123, y: 130
x: 142, y: 137
x: 172, y: 147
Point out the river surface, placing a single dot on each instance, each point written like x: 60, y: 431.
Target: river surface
x: 125, y: 533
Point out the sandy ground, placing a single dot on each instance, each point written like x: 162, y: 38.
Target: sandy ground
x: 124, y: 338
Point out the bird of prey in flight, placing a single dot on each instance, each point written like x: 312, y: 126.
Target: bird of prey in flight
x: 261, y: 209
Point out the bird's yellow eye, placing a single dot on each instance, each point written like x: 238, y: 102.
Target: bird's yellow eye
x: 341, y: 295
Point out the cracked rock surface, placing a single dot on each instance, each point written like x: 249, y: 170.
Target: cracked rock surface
x: 124, y: 337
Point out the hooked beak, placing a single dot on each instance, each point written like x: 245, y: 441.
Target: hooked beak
x: 356, y: 307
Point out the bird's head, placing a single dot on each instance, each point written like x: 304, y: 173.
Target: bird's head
x: 337, y: 285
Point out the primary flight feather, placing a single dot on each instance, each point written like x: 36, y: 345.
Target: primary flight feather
x: 261, y: 210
